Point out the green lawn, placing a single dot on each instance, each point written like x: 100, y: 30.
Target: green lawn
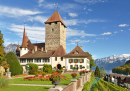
x: 25, y: 88
x: 20, y: 81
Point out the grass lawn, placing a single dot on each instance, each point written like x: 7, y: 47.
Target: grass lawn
x: 20, y: 81
x: 25, y: 88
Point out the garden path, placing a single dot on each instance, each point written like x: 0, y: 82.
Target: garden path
x: 63, y: 86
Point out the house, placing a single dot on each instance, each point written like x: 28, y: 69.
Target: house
x: 53, y: 51
x: 119, y: 79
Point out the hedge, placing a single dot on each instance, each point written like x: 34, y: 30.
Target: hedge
x: 33, y: 68
x: 47, y: 68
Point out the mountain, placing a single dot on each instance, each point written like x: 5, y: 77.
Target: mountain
x: 112, y: 61
x: 10, y: 48
x: 124, y: 69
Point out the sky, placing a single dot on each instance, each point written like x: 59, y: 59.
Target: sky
x: 102, y: 27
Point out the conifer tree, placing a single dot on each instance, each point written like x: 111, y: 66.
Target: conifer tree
x: 97, y: 72
x: 1, y: 46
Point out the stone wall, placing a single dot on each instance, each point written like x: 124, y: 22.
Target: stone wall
x: 75, y: 85
x: 55, y: 36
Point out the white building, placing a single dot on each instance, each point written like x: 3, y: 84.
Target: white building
x: 53, y: 51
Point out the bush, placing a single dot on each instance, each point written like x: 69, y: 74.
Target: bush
x: 14, y: 65
x: 47, y: 68
x: 3, y: 82
x: 33, y: 68
x: 53, y: 71
x: 58, y: 71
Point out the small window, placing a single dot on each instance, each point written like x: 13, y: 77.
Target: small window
x: 76, y: 60
x: 55, y: 58
x: 55, y: 22
x: 80, y: 66
x: 52, y: 29
x: 61, y: 58
x: 71, y: 66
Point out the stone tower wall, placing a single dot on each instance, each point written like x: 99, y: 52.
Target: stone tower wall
x: 54, y: 38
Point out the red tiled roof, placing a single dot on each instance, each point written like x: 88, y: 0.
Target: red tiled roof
x: 77, y: 52
x: 25, y: 40
x: 59, y: 52
x: 38, y: 54
x: 55, y: 17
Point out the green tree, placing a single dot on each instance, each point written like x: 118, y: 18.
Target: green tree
x: 47, y: 68
x: 92, y: 64
x: 1, y: 46
x: 97, y: 72
x: 33, y: 68
x: 14, y: 65
x: 102, y: 71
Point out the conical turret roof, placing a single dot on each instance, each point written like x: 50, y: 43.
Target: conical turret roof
x: 55, y: 17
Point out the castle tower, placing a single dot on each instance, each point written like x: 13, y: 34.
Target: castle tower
x: 55, y: 32
x: 23, y: 47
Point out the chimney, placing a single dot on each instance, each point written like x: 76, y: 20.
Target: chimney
x: 33, y: 51
x: 35, y: 47
x: 81, y: 47
x: 42, y: 49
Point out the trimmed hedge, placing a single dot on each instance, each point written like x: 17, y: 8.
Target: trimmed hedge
x: 33, y: 68
x: 47, y: 68
x: 14, y: 65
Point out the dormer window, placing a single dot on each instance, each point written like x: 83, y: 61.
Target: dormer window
x: 52, y: 29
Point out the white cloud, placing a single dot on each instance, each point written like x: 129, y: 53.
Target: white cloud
x: 40, y: 2
x: 123, y: 25
x: 121, y: 30
x: 128, y: 29
x: 115, y: 32
x: 14, y: 12
x: 72, y: 14
x: 91, y: 1
x: 73, y: 32
x: 40, y: 19
x: 72, y: 22
x: 76, y: 41
x: 107, y: 33
x: 31, y: 32
x: 8, y: 41
x: 90, y: 10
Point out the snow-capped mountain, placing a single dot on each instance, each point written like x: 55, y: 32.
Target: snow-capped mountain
x: 10, y: 48
x: 112, y: 61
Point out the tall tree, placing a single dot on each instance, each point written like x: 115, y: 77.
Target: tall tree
x: 14, y: 66
x: 1, y: 46
x: 102, y: 70
x: 97, y: 72
x: 92, y: 64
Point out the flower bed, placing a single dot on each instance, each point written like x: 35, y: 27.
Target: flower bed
x: 44, y: 78
x: 20, y: 75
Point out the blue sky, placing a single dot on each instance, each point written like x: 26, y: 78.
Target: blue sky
x: 102, y: 27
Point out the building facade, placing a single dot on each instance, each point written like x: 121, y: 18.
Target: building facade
x: 53, y: 51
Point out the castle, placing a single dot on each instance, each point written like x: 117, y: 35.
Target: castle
x: 53, y: 51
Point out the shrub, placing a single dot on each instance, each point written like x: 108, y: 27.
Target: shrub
x: 3, y: 82
x: 47, y: 68
x: 14, y: 65
x: 33, y: 68
x: 53, y: 71
x: 58, y: 71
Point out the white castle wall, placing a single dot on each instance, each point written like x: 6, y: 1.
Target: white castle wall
x: 23, y: 51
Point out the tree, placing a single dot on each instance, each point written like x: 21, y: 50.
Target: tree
x: 92, y: 64
x: 14, y: 66
x: 97, y: 72
x: 102, y: 71
x: 5, y: 65
x: 1, y: 46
